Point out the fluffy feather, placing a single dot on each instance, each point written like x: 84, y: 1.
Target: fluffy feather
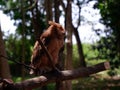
x: 53, y: 39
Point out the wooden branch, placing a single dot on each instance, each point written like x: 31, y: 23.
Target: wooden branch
x: 17, y: 62
x: 33, y: 5
x: 48, y: 54
x: 63, y: 5
x: 65, y: 75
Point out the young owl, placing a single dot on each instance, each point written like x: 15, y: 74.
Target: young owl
x: 53, y: 39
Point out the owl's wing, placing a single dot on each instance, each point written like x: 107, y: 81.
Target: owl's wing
x: 46, y: 41
x: 38, y: 51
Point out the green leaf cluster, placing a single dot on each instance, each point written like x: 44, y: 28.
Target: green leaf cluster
x: 91, y: 55
x: 14, y: 42
x: 109, y: 45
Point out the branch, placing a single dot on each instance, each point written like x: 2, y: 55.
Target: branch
x: 17, y: 62
x: 65, y: 75
x: 63, y: 5
x: 48, y: 54
x: 33, y: 5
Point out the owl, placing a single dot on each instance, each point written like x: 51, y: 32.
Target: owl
x: 53, y: 40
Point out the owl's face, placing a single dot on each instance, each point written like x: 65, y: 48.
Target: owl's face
x: 58, y: 32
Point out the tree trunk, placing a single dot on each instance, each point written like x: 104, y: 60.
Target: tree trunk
x: 68, y: 25
x: 4, y: 67
x: 49, y: 17
x: 60, y: 66
x: 36, y: 21
x: 23, y: 39
x: 48, y: 7
x: 80, y: 49
x: 57, y: 11
x: 76, y: 33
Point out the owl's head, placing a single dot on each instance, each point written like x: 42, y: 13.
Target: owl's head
x: 57, y: 29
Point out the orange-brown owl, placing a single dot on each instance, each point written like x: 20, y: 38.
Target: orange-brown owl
x: 53, y: 39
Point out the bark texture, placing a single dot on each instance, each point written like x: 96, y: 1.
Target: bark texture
x: 65, y: 75
x: 4, y: 67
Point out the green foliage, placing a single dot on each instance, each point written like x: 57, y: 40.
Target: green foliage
x: 91, y: 83
x: 91, y: 55
x: 14, y: 42
x: 109, y: 46
x: 75, y: 56
x: 13, y: 48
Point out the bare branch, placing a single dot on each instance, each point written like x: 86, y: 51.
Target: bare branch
x: 65, y: 75
x: 63, y: 5
x: 33, y: 5
x: 47, y: 53
x: 79, y: 18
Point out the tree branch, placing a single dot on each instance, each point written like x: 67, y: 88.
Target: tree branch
x: 65, y: 75
x: 48, y: 54
x: 63, y: 5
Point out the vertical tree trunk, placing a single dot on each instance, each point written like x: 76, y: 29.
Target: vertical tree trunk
x: 48, y: 7
x: 36, y: 22
x: 23, y: 38
x: 4, y: 67
x: 79, y: 44
x: 59, y: 84
x: 57, y: 11
x: 80, y: 49
x: 49, y: 17
x: 68, y: 25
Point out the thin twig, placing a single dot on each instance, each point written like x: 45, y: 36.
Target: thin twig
x: 33, y: 5
x: 27, y: 66
x: 48, y: 54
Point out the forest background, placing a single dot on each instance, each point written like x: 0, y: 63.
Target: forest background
x: 31, y: 19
